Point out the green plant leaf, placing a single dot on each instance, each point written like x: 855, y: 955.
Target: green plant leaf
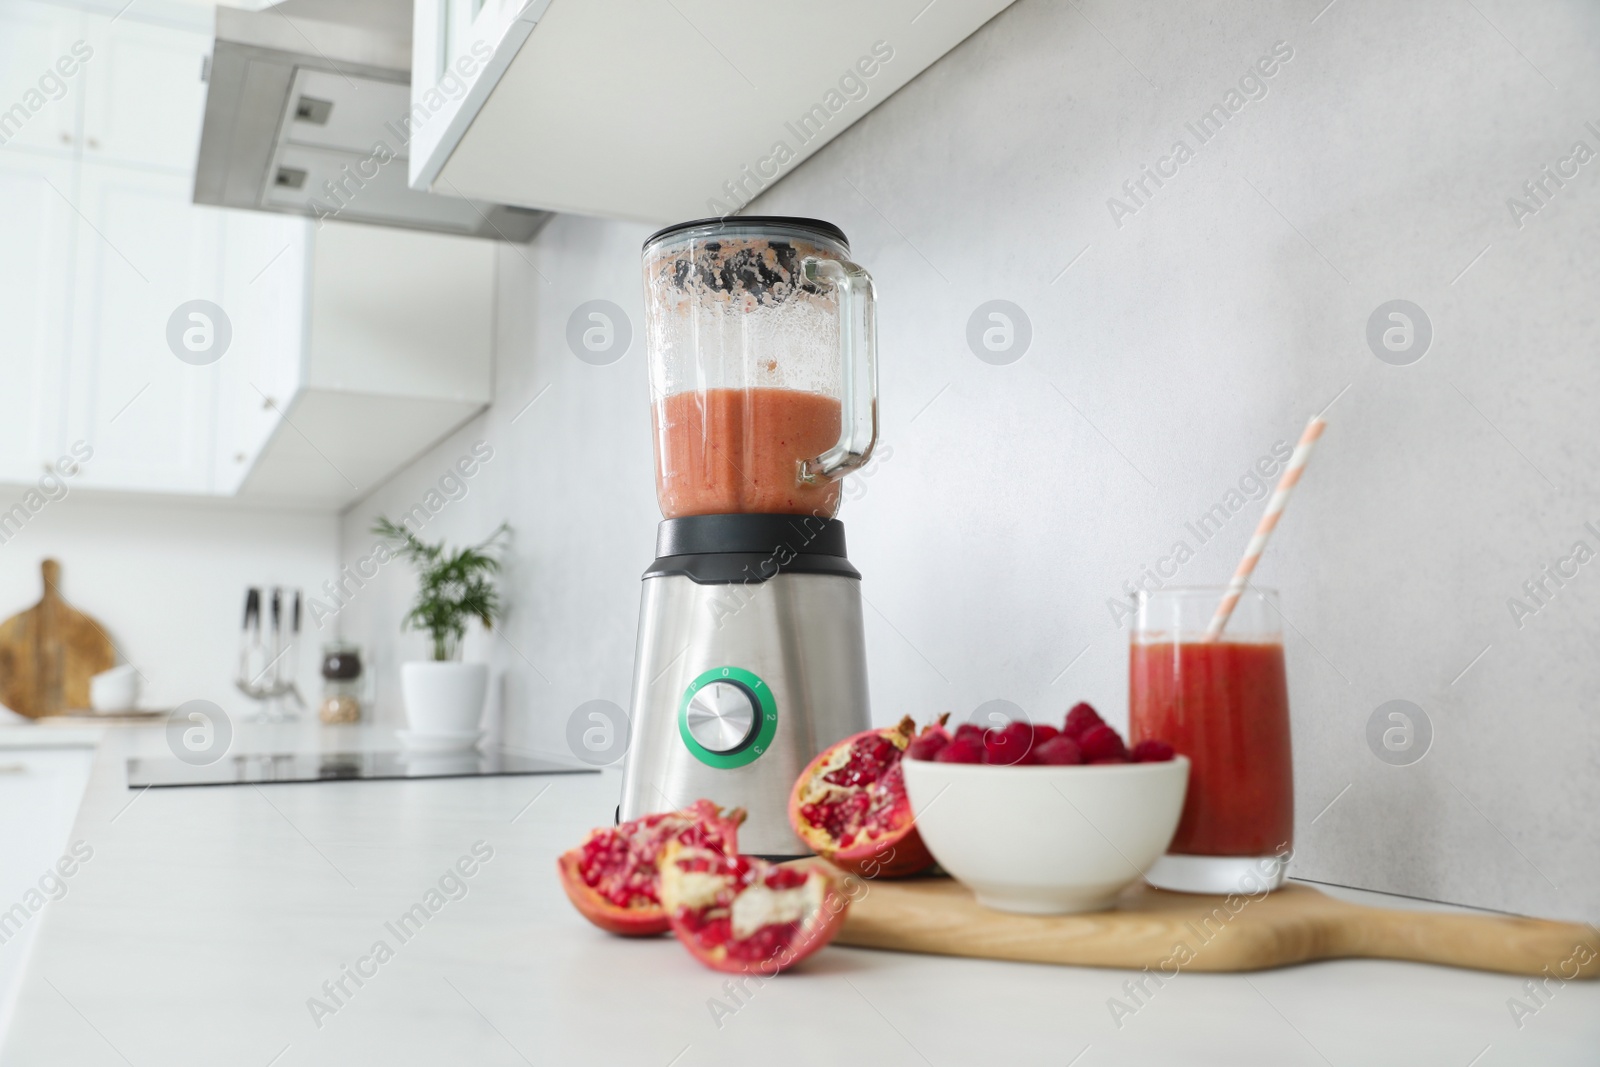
x: 453, y: 586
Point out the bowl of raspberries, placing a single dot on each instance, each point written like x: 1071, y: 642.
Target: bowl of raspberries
x: 1042, y: 819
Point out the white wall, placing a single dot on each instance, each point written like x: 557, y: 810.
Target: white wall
x: 166, y: 578
x: 571, y: 474
x: 1178, y: 347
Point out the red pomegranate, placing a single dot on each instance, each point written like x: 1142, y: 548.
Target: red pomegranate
x: 613, y: 877
x: 850, y: 805
x: 745, y: 915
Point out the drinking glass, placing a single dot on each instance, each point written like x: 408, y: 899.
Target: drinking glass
x: 1224, y: 703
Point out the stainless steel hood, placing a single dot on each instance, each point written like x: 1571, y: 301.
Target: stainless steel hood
x: 312, y: 118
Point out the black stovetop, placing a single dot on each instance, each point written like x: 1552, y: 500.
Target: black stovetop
x: 275, y: 768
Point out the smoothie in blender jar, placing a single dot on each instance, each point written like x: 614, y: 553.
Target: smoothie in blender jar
x: 741, y: 450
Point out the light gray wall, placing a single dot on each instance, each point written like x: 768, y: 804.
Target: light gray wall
x: 1175, y: 350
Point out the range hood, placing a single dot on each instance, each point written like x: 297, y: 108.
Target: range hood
x: 313, y: 118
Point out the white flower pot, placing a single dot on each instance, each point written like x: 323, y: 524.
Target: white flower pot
x: 444, y: 697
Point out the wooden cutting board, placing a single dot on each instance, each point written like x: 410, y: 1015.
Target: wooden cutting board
x: 49, y: 652
x: 1172, y: 932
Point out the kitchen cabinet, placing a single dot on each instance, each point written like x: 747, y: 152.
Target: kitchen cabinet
x: 37, y: 222
x: 508, y: 96
x: 102, y: 243
x: 156, y: 126
x: 67, y: 81
x: 38, y: 105
x: 264, y: 292
x: 40, y: 790
x: 104, y: 248
x: 142, y: 250
x: 398, y: 352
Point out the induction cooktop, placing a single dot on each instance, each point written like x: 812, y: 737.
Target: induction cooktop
x: 278, y: 768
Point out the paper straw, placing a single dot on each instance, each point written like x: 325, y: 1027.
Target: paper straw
x: 1268, y: 523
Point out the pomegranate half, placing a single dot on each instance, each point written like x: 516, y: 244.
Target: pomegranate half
x: 849, y: 805
x: 745, y: 915
x: 613, y: 878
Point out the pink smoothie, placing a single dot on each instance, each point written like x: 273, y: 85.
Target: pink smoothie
x: 739, y: 450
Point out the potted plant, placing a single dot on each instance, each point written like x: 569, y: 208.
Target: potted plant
x: 443, y: 695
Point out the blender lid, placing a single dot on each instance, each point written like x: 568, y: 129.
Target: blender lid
x: 817, y: 226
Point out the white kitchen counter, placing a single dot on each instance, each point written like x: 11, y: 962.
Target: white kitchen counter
x: 206, y: 918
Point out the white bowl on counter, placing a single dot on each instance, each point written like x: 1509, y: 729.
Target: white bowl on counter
x: 115, y: 690
x: 1047, y: 840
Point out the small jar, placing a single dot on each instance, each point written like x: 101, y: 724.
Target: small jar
x: 341, y: 683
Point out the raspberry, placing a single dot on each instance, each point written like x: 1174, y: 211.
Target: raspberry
x: 972, y: 730
x: 927, y: 746
x: 1041, y: 734
x: 1009, y: 745
x: 1059, y: 750
x: 1109, y: 759
x: 961, y: 750
x: 1152, y: 752
x: 1080, y: 719
x: 1102, y: 742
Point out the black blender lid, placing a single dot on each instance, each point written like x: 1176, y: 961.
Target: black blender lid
x: 826, y: 229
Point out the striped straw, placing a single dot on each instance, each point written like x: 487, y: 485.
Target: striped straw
x: 1268, y: 523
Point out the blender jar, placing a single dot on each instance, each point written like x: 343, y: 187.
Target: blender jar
x: 763, y: 365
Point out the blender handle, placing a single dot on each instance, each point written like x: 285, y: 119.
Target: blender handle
x: 858, y: 366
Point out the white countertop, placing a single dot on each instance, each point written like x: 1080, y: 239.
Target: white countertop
x: 206, y: 918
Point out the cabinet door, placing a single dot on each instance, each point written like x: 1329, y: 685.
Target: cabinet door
x: 41, y: 76
x: 265, y: 280
x: 143, y: 94
x: 36, y: 238
x: 40, y: 790
x: 143, y: 251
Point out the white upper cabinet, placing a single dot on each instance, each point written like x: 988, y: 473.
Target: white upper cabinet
x: 41, y: 76
x: 36, y: 233
x: 654, y: 111
x: 398, y: 353
x: 264, y: 293
x: 143, y: 96
x: 197, y: 349
x: 142, y: 252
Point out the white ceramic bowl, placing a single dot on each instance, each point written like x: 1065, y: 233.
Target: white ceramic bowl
x: 1046, y: 840
x: 114, y: 690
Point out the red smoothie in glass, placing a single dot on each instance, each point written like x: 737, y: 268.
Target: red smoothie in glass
x: 1225, y: 705
x: 720, y: 451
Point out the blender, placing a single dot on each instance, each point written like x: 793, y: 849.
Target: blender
x: 763, y: 386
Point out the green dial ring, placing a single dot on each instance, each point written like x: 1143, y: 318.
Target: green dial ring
x: 758, y: 742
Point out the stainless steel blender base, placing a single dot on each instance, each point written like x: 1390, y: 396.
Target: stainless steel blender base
x: 737, y: 686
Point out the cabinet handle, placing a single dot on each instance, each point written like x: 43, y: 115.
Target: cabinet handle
x: 13, y: 768
x: 66, y: 138
x: 94, y: 143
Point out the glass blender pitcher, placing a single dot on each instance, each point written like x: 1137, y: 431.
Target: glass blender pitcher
x: 763, y: 369
x: 763, y: 386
